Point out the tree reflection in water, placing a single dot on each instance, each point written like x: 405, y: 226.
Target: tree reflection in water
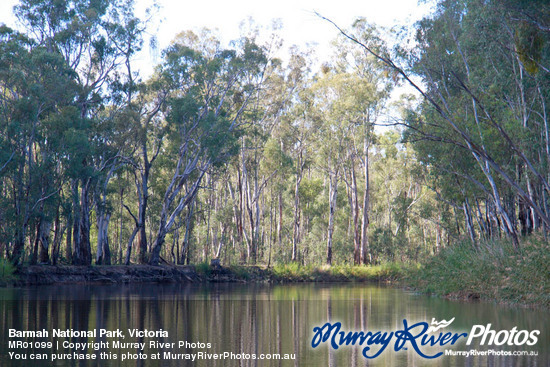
x: 252, y: 319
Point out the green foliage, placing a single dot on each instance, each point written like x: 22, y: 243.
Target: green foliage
x: 529, y: 42
x: 240, y: 272
x: 7, y: 271
x: 294, y: 272
x: 203, y: 268
x: 274, y: 158
x: 227, y: 153
x: 493, y: 271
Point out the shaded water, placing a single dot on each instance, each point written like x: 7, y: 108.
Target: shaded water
x: 251, y: 319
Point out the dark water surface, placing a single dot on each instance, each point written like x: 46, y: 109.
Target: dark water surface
x: 249, y: 320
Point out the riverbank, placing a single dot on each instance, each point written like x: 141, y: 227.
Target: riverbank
x: 387, y: 273
x: 65, y: 274
x: 491, y: 271
x: 109, y: 274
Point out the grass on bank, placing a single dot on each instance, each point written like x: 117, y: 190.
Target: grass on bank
x: 7, y: 271
x: 493, y: 271
x: 295, y: 272
x: 203, y: 268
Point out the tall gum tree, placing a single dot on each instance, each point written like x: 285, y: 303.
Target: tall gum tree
x: 37, y: 91
x: 467, y: 54
x: 86, y: 35
x: 204, y: 117
x: 352, y: 100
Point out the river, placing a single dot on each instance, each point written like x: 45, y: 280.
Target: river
x: 247, y: 321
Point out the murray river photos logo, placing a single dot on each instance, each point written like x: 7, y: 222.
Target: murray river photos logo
x: 420, y: 336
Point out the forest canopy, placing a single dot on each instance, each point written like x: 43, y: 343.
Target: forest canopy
x: 228, y: 152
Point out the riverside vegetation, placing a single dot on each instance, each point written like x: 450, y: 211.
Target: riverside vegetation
x: 307, y: 169
x: 492, y: 271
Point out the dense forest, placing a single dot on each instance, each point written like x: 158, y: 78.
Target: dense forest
x: 228, y: 152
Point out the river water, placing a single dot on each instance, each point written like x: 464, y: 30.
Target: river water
x: 244, y: 321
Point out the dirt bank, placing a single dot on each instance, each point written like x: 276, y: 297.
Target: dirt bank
x: 47, y: 274
x: 63, y: 274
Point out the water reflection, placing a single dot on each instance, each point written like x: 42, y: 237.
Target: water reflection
x: 250, y: 319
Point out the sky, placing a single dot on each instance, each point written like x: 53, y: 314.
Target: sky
x: 300, y: 26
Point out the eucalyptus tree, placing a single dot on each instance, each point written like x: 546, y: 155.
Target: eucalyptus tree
x: 86, y: 36
x: 291, y: 133
x: 299, y: 129
x: 37, y: 91
x: 349, y: 102
x: 211, y: 92
x: 130, y: 108
x: 365, y: 93
x: 276, y: 164
x: 475, y: 58
x: 490, y: 84
x: 334, y: 136
x: 268, y: 148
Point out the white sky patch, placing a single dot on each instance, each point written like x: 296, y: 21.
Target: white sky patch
x: 300, y: 26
